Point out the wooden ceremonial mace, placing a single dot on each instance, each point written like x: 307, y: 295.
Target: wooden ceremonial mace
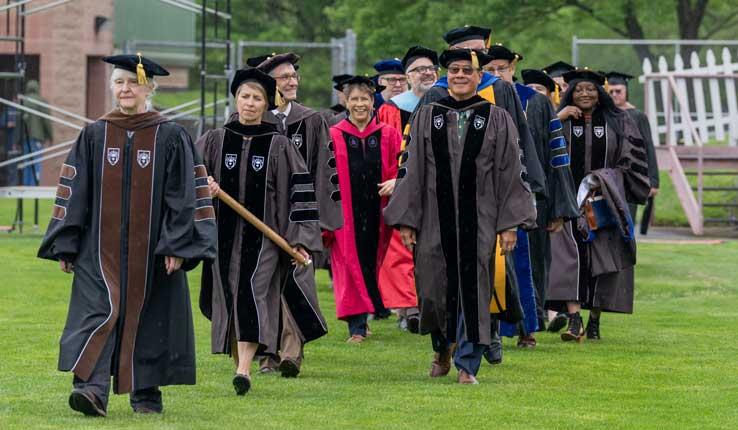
x: 268, y: 232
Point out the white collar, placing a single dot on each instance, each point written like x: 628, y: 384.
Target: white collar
x: 286, y: 111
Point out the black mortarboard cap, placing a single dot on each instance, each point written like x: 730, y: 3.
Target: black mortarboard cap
x: 465, y: 33
x: 392, y: 65
x: 256, y: 75
x: 272, y: 61
x: 366, y: 80
x: 558, y: 69
x: 499, y: 52
x: 618, y: 78
x: 450, y: 55
x: 584, y: 74
x: 416, y: 52
x: 533, y: 76
x: 132, y: 62
x: 338, y: 81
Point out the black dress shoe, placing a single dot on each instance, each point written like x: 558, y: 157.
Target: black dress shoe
x: 289, y: 368
x: 87, y: 403
x: 241, y: 383
x: 413, y: 324
x: 145, y: 410
x: 575, y: 331
x: 557, y: 323
x: 593, y: 328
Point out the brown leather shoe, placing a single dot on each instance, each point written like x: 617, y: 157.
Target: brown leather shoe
x: 356, y: 338
x: 87, y: 403
x: 528, y: 341
x: 441, y: 364
x: 466, y: 379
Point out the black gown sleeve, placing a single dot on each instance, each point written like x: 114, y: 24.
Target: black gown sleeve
x: 188, y: 227
x: 551, y: 146
x: 507, y: 98
x: 645, y: 128
x: 71, y: 212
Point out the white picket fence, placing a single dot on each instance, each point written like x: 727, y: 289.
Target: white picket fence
x: 710, y: 94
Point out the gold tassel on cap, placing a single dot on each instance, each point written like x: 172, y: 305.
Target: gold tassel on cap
x: 557, y: 95
x: 474, y: 60
x: 140, y: 72
x: 278, y: 99
x: 607, y: 86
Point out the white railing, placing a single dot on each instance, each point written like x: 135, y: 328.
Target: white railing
x: 709, y: 90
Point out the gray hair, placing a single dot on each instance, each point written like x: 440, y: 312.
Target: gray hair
x: 152, y: 85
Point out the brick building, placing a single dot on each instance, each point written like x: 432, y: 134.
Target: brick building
x: 63, y: 47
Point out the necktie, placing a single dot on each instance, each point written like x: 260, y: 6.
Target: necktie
x: 280, y: 122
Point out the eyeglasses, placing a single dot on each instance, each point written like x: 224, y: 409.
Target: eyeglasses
x: 294, y: 76
x: 498, y: 70
x: 394, y: 81
x: 424, y: 69
x: 455, y: 70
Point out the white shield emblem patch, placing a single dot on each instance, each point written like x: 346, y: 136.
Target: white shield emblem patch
x: 257, y: 162
x: 113, y: 156
x: 599, y: 131
x: 438, y: 122
x: 479, y: 122
x: 578, y: 130
x: 297, y: 140
x: 143, y: 158
x: 230, y: 161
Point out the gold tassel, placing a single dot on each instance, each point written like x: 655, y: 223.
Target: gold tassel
x: 488, y: 42
x: 607, y: 86
x: 279, y: 100
x: 140, y: 72
x: 557, y: 95
x: 474, y: 60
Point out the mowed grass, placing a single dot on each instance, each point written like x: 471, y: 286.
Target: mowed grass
x: 671, y: 365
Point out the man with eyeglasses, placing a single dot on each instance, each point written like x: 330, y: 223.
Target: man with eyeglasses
x: 618, y: 89
x: 396, y: 278
x: 502, y: 94
x: 459, y: 186
x: 421, y: 69
x: 556, y: 205
x: 391, y: 75
x: 308, y: 131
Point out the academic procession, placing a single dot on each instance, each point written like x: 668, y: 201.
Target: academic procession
x: 456, y: 210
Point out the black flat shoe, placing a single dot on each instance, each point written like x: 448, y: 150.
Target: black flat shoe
x: 557, y: 323
x: 593, y: 328
x: 241, y: 383
x: 87, y: 403
x: 413, y: 324
x: 289, y: 368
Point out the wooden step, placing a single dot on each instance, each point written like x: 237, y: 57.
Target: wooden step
x: 716, y: 188
x: 720, y: 205
x: 713, y: 173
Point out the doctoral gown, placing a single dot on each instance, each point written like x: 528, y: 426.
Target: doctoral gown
x: 363, y: 160
x: 396, y: 276
x: 458, y: 193
x: 533, y: 251
x: 129, y: 194
x: 594, y: 144
x: 240, y: 290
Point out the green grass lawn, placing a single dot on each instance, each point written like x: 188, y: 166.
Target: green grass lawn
x: 671, y: 365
